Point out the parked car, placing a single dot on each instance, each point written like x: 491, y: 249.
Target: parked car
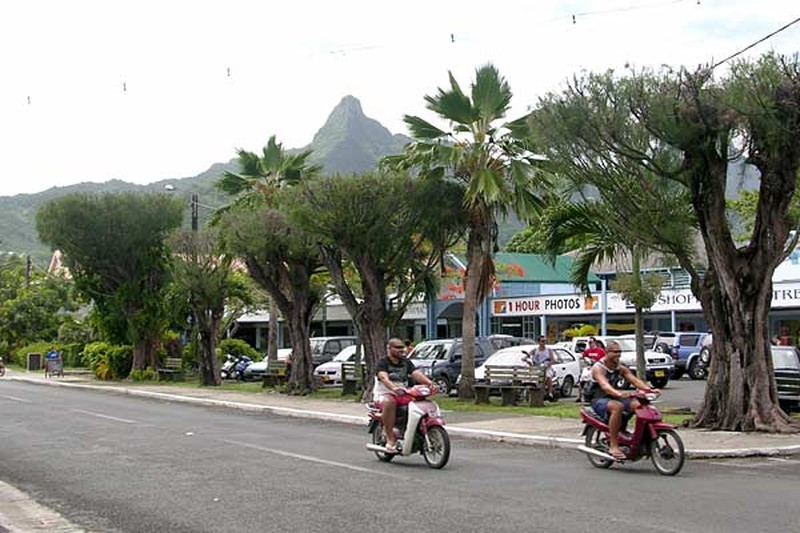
x: 501, y: 340
x: 786, y: 364
x: 256, y: 370
x: 566, y: 366
x: 331, y: 372
x: 441, y: 359
x: 684, y: 347
x: 324, y: 349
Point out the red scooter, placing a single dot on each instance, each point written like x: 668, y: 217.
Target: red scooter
x: 651, y: 437
x: 419, y: 429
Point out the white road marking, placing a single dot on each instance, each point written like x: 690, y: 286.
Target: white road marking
x: 23, y: 400
x: 315, y: 459
x: 107, y: 417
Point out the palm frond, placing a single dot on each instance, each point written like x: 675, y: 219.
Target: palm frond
x: 423, y: 130
x: 491, y: 94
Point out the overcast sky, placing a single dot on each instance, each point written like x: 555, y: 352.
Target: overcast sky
x: 148, y: 90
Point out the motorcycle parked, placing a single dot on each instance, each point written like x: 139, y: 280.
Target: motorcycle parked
x: 242, y: 363
x: 650, y: 437
x: 419, y: 429
x: 226, y: 370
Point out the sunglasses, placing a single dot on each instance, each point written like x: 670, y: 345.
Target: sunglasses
x: 614, y: 351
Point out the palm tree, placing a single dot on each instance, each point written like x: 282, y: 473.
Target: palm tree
x: 497, y: 170
x: 255, y: 185
x: 600, y: 234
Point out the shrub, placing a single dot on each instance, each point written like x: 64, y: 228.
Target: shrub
x: 236, y: 347
x: 42, y: 347
x: 108, y: 361
x: 73, y: 354
x: 148, y: 374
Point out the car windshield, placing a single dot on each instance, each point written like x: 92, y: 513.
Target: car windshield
x: 626, y: 345
x: 785, y: 357
x: 345, y: 355
x: 317, y: 345
x: 430, y: 350
x: 506, y: 358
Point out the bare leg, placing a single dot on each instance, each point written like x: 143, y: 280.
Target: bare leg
x: 614, y: 422
x: 389, y: 417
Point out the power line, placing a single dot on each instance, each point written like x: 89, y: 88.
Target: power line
x: 748, y: 47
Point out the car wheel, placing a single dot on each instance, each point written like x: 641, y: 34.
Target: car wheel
x: 661, y: 348
x: 697, y: 370
x: 442, y: 383
x: 566, y: 387
x: 659, y: 383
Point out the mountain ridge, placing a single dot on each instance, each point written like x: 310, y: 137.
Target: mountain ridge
x: 348, y: 142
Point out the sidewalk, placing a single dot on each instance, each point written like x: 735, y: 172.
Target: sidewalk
x: 519, y: 429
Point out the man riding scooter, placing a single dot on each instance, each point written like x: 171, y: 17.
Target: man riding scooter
x: 392, y: 375
x: 607, y: 401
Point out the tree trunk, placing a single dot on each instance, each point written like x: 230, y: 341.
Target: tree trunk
x: 740, y: 394
x: 207, y: 359
x: 272, y: 331
x: 301, y: 377
x: 479, y: 257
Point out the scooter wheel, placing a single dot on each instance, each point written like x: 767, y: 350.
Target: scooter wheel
x: 379, y: 438
x: 667, y: 452
x: 436, y: 449
x: 596, y: 439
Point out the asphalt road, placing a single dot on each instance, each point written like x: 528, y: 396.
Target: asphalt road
x: 115, y: 463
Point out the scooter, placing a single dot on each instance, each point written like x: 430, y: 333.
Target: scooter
x: 419, y: 429
x: 226, y: 370
x: 242, y: 363
x: 651, y: 437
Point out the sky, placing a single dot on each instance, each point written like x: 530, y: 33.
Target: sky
x: 141, y: 91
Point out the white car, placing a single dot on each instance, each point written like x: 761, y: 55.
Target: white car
x: 331, y: 372
x: 567, y: 367
x: 256, y: 371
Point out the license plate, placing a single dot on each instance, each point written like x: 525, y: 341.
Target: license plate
x: 659, y: 373
x: 325, y: 379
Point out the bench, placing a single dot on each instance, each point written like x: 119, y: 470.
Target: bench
x: 171, y: 370
x: 276, y: 374
x: 353, y: 380
x: 513, y: 383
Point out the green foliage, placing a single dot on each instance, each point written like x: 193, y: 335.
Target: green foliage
x: 148, y: 374
x: 236, y: 347
x: 642, y: 291
x: 73, y: 331
x: 108, y: 361
x: 30, y: 309
x: 579, y: 330
x: 20, y: 355
x: 745, y: 208
x: 72, y: 354
x: 114, y: 248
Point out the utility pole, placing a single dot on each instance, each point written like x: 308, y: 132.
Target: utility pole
x: 195, y: 208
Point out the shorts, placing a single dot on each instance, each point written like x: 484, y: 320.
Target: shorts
x: 600, y: 404
x: 400, y: 401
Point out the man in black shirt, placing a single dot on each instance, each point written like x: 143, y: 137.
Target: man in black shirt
x: 392, y: 375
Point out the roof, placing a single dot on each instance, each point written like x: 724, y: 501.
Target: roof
x: 535, y: 268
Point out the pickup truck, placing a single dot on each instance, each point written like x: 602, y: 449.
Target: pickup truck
x: 685, y: 348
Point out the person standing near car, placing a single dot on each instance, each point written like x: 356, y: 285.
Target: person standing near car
x: 392, y: 374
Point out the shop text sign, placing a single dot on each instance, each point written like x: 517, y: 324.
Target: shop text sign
x: 784, y: 295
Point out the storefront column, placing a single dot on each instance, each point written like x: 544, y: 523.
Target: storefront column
x: 430, y: 318
x: 673, y: 317
x: 603, y: 305
x: 543, y: 325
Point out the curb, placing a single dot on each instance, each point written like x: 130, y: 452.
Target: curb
x: 475, y: 434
